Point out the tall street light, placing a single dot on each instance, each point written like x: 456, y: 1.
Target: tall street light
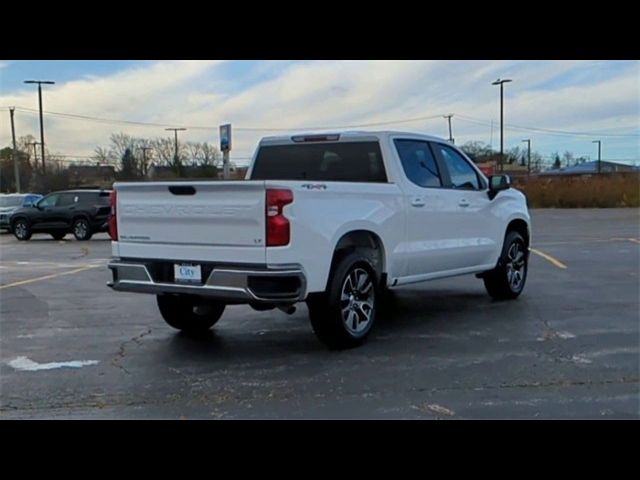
x: 528, y: 155
x: 40, y: 82
x: 501, y: 83
x: 599, y: 155
x: 175, y: 155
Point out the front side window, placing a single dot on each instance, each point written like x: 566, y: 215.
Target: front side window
x: 49, y: 201
x: 461, y: 173
x: 418, y: 162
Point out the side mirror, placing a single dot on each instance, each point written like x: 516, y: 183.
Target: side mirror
x: 498, y: 183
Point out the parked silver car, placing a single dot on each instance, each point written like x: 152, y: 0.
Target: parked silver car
x: 11, y: 202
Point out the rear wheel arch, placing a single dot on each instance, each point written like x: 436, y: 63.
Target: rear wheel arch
x: 79, y: 216
x: 365, y: 242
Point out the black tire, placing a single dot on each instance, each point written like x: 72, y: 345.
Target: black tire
x: 346, y: 303
x: 189, y: 314
x: 58, y: 235
x: 82, y: 229
x: 21, y: 229
x: 506, y: 281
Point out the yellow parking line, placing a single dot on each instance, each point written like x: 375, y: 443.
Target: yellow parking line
x: 549, y: 258
x: 48, y: 277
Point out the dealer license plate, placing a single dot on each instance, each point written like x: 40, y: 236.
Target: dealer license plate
x: 187, y: 273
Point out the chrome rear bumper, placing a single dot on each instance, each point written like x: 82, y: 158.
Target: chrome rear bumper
x: 225, y: 283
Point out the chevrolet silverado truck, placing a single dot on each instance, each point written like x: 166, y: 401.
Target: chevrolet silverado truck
x: 333, y: 220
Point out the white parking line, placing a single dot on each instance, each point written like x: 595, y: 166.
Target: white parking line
x: 28, y: 365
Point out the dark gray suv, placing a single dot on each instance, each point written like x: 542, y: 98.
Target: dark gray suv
x: 81, y: 212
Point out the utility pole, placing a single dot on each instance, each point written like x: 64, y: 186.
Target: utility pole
x: 16, y: 170
x: 40, y: 82
x: 225, y: 147
x: 448, y: 117
x: 144, y: 159
x: 176, y: 158
x: 599, y: 155
x: 501, y: 83
x: 528, y: 156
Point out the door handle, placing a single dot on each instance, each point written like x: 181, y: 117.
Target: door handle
x: 463, y: 203
x: 417, y: 202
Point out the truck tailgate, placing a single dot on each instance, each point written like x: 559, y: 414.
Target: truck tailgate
x: 202, y: 221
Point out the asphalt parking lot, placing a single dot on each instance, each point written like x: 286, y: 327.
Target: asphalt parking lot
x: 567, y: 348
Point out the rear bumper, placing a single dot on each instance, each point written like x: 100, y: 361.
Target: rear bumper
x: 231, y: 284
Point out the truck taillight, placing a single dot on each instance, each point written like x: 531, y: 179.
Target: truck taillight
x: 278, y: 231
x: 113, y: 219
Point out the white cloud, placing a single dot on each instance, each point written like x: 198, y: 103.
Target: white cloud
x: 319, y: 93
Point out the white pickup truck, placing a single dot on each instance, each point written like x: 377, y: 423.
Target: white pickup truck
x: 335, y: 220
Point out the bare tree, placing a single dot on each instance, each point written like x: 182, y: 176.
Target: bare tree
x: 102, y: 155
x: 24, y: 144
x: 203, y: 154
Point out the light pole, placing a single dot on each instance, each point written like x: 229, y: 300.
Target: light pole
x: 448, y: 117
x: 144, y: 159
x: 528, y: 155
x: 501, y: 83
x: 176, y: 159
x: 599, y: 155
x: 16, y: 170
x: 40, y: 82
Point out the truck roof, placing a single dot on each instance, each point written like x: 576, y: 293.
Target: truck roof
x: 344, y: 135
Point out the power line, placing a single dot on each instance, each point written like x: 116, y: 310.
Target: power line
x: 466, y: 118
x: 245, y: 129
x: 549, y: 131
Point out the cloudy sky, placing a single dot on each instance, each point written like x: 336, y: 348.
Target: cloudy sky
x: 559, y: 105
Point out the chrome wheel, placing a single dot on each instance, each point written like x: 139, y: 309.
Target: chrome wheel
x: 357, y: 301
x: 20, y: 229
x: 515, y: 266
x: 80, y: 229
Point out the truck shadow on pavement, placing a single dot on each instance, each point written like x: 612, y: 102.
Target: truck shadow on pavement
x: 414, y: 312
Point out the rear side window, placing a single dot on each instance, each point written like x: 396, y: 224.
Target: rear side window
x: 418, y: 163
x: 330, y: 162
x: 67, y: 199
x: 93, y: 198
x: 87, y: 197
x: 30, y: 200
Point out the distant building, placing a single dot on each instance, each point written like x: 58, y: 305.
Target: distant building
x: 235, y: 173
x: 492, y: 167
x: 81, y: 175
x: 590, y: 168
x: 166, y: 172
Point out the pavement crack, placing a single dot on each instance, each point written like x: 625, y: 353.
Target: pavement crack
x: 117, y: 359
x: 85, y: 252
